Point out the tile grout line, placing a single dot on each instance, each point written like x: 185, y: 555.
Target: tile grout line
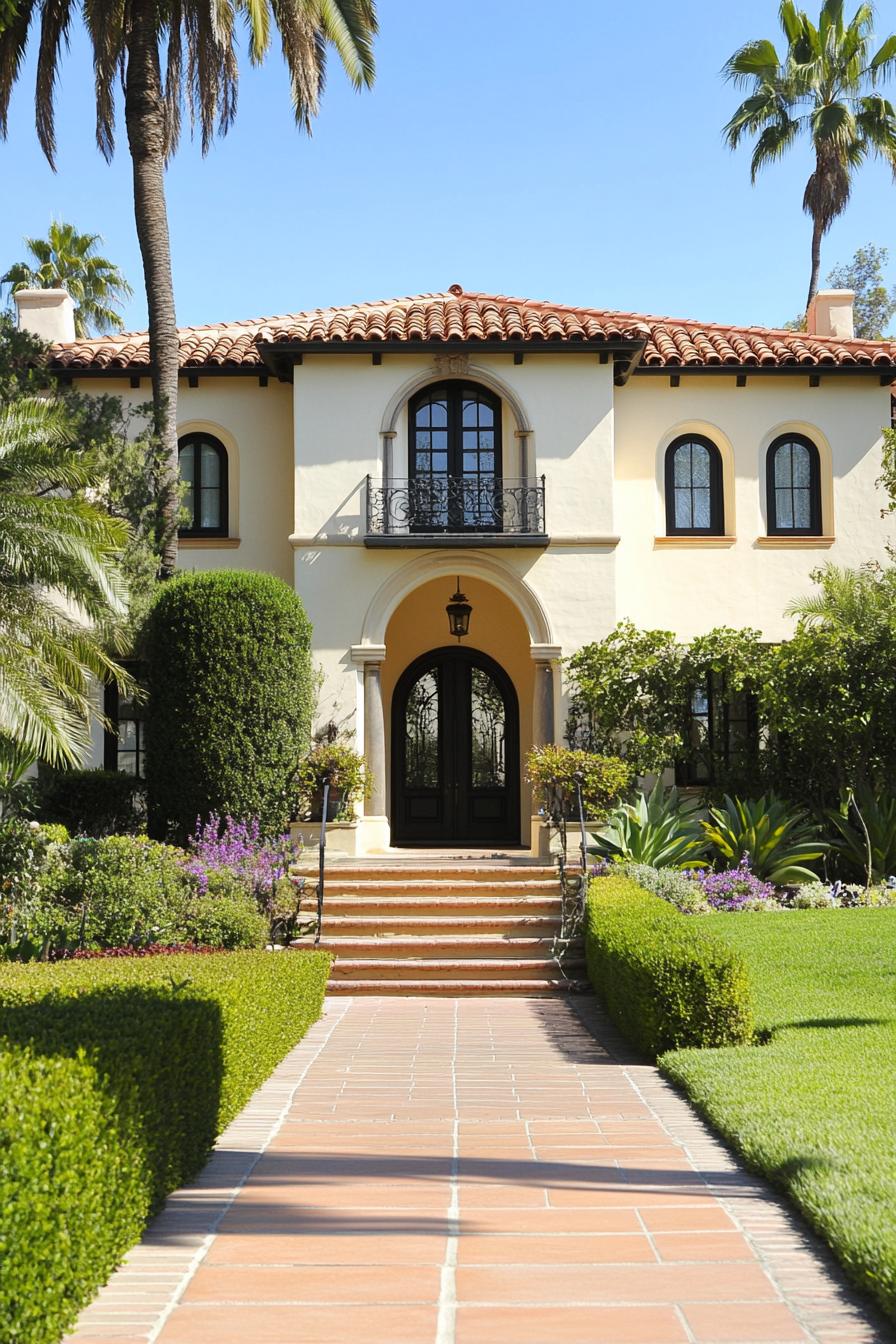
x: 275, y: 1128
x: 446, y: 1321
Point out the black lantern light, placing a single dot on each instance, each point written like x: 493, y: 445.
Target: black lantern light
x: 458, y: 610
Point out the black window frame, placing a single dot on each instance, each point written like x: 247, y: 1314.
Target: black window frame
x: 716, y: 488
x: 111, y: 736
x: 486, y: 494
x: 195, y: 439
x: 774, y: 528
x: 719, y: 721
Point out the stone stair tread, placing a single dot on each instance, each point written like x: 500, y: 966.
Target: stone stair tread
x: 446, y: 923
x: 457, y: 988
x: 407, y: 942
x: 354, y: 899
x: 432, y: 873
x: 344, y: 964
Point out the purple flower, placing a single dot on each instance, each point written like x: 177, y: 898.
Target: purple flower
x: 734, y: 888
x: 237, y: 847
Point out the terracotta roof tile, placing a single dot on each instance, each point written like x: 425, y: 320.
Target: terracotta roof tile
x: 457, y: 315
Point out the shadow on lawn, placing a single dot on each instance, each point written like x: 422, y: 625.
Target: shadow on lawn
x: 765, y: 1035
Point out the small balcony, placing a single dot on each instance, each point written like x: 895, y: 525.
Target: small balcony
x: 475, y: 510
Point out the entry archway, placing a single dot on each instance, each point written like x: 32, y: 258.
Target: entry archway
x: 455, y: 751
x: 406, y: 619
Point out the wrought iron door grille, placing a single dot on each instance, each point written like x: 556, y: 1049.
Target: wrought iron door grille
x: 436, y: 504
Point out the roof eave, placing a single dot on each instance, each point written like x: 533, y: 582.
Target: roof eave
x: 886, y: 373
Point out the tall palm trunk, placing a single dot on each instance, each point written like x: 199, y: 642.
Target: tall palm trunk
x: 817, y: 235
x: 146, y: 126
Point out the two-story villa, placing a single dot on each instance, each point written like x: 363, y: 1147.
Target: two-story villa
x: 561, y: 467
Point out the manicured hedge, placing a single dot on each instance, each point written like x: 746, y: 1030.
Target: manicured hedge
x: 115, y: 1078
x: 665, y: 981
x: 228, y: 718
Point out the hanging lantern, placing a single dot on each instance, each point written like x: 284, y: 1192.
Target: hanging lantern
x: 458, y: 610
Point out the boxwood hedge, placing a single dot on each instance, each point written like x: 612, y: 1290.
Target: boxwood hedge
x: 666, y: 982
x: 228, y: 718
x: 115, y: 1078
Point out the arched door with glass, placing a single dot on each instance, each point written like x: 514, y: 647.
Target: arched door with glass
x: 454, y: 459
x: 455, y: 752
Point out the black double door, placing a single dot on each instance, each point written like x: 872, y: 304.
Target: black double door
x: 455, y: 752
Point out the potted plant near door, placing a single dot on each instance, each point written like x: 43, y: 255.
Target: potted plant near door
x: 346, y: 771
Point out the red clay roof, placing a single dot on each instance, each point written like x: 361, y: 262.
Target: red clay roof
x: 460, y: 317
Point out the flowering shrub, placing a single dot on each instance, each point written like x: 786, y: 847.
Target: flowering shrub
x: 237, y: 847
x: 841, y: 896
x: 681, y: 889
x: 814, y: 896
x: 736, y: 888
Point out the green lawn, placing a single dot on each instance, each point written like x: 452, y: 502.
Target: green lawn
x: 814, y: 1108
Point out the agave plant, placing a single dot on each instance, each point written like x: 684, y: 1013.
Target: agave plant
x: 659, y: 829
x: 780, y: 840
x: 850, y: 846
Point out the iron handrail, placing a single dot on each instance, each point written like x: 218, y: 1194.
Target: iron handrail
x: 322, y: 859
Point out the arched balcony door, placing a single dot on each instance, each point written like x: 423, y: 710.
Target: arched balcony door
x: 455, y: 752
x: 454, y: 458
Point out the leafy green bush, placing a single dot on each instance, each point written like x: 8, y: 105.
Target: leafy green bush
x: 779, y: 839
x: 32, y: 868
x: 829, y: 703
x: 659, y: 829
x: 124, y: 889
x: 230, y: 699
x: 554, y: 772
x: 665, y: 981
x: 115, y: 1078
x: 92, y: 802
x: 627, y: 697
x: 226, y: 919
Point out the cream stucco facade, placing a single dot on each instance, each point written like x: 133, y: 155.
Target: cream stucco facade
x: 299, y: 454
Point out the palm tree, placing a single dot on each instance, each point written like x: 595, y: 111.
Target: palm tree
x: 61, y: 592
x: 826, y: 87
x: 849, y: 600
x: 168, y: 53
x: 66, y: 259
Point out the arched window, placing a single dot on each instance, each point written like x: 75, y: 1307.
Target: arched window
x: 454, y: 458
x: 793, y: 473
x: 203, y: 468
x: 694, y: 504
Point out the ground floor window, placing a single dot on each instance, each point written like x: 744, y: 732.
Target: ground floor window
x: 721, y: 734
x: 125, y: 739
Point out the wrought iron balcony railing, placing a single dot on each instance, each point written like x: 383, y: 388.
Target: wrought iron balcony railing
x: 456, y: 511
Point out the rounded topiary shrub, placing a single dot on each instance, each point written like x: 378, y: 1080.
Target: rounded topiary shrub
x: 230, y: 698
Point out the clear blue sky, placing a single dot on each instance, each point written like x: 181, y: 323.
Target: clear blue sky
x: 581, y: 162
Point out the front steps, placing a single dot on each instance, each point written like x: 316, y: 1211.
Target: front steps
x: 442, y: 926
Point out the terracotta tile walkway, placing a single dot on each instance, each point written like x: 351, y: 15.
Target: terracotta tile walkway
x: 472, y: 1171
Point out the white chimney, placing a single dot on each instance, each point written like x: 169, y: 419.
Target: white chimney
x: 47, y: 313
x: 830, y: 314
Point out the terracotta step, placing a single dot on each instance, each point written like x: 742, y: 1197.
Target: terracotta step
x: 459, y: 988
x: 461, y: 872
x: 449, y: 887
x: 446, y: 968
x: 453, y: 926
x: 451, y: 948
x: 462, y: 906
x: 446, y: 927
